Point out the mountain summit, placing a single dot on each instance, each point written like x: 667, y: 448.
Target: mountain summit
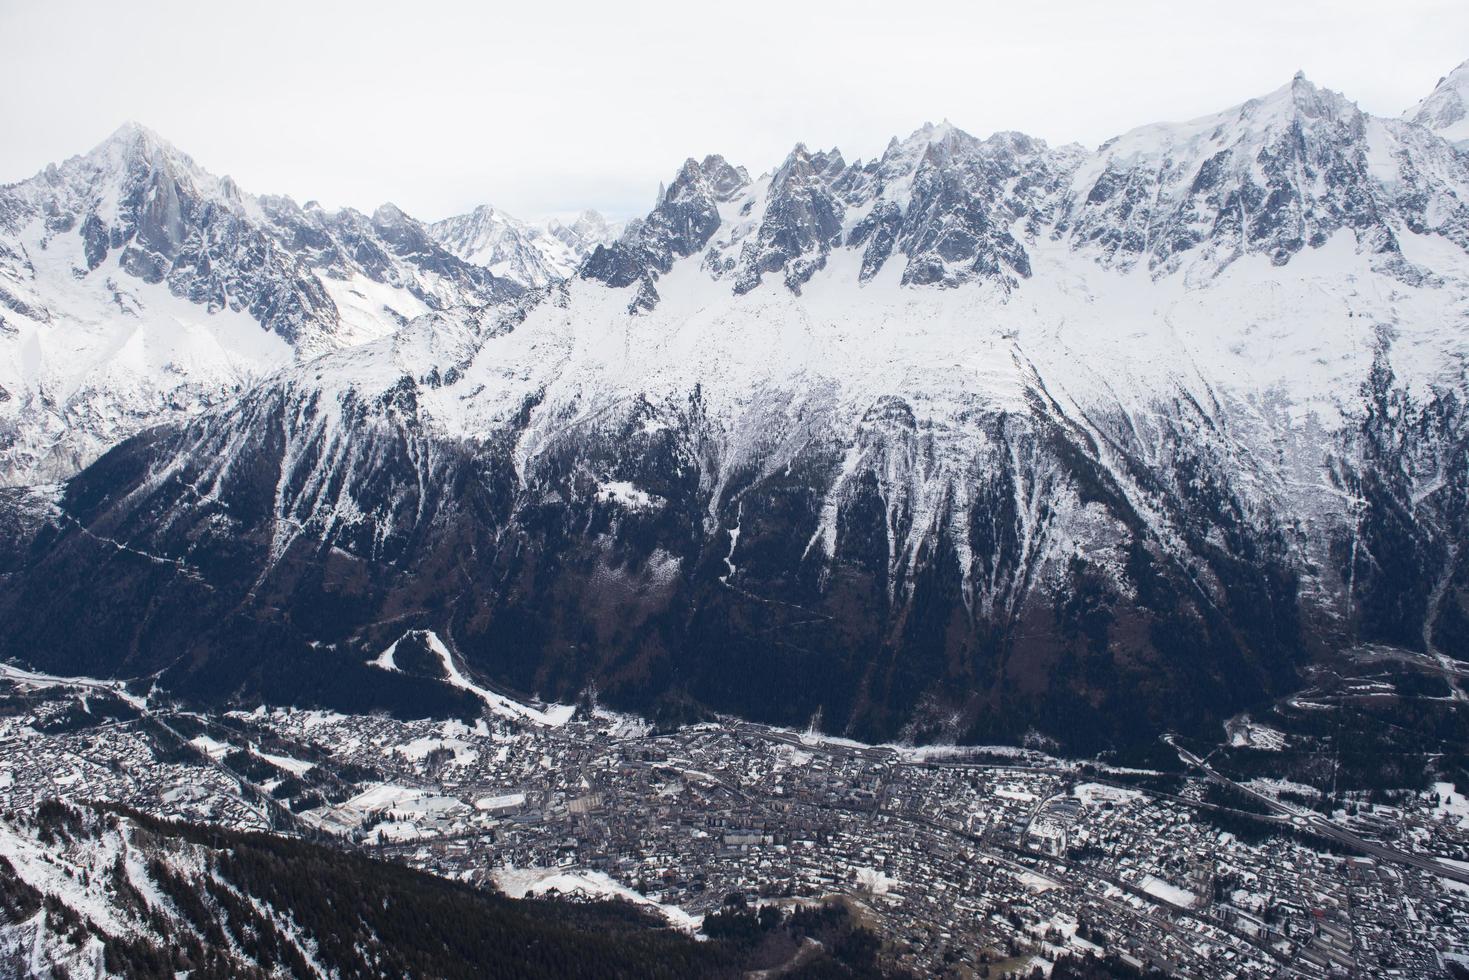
x: 1446, y: 109
x: 531, y: 255
x: 137, y: 288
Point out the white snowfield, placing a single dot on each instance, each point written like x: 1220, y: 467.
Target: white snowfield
x: 1159, y: 888
x: 1453, y: 806
x: 211, y: 747
x: 32, y: 679
x: 506, y: 801
x: 296, y: 767
x: 1096, y: 794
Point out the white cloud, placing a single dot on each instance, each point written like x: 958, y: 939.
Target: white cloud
x: 551, y: 107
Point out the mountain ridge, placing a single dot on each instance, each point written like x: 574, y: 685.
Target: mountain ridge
x: 132, y: 249
x: 976, y: 439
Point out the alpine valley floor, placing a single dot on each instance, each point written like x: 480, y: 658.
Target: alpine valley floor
x: 1293, y: 847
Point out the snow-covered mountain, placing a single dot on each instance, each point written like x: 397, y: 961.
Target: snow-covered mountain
x: 977, y: 437
x: 588, y: 230
x: 532, y: 255
x: 136, y: 288
x: 1446, y: 108
x: 1272, y: 176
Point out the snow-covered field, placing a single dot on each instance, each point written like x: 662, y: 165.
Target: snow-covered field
x: 1094, y: 794
x: 1453, y: 806
x: 523, y: 882
x: 1159, y: 888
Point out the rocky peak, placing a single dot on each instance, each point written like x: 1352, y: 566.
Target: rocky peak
x: 946, y: 201
x: 529, y: 254
x: 589, y: 230
x: 963, y: 200
x: 723, y: 180
x: 712, y: 179
x: 1300, y: 102
x: 133, y: 146
x: 685, y: 218
x: 134, y: 240
x: 389, y: 215
x: 901, y: 157
x: 1272, y: 176
x: 1445, y: 110
x: 407, y: 237
x: 802, y: 167
x: 801, y: 224
x: 589, y: 222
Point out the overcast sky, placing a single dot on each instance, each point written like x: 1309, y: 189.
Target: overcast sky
x: 547, y: 107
